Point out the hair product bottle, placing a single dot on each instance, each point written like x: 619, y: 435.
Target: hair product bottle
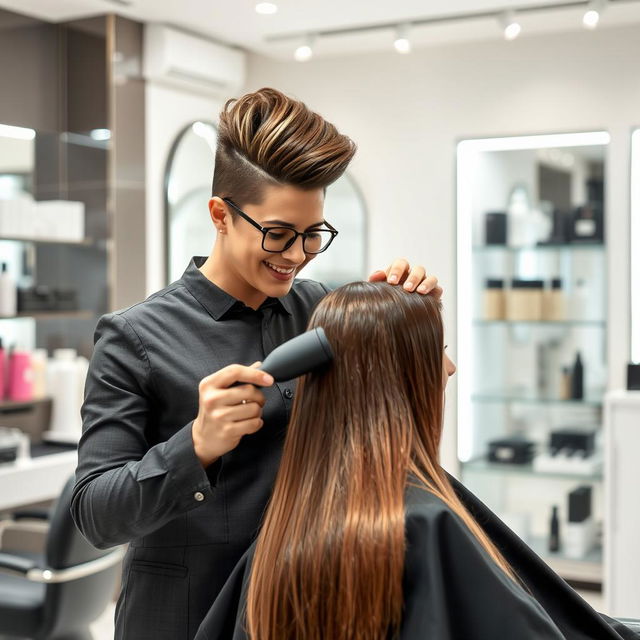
x: 3, y: 367
x: 8, y: 293
x: 577, y: 379
x: 554, y: 530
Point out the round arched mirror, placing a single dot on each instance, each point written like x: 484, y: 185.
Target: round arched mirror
x: 189, y: 230
x: 346, y: 258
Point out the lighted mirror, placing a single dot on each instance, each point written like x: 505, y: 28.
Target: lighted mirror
x: 189, y: 231
x: 635, y: 246
x: 532, y: 284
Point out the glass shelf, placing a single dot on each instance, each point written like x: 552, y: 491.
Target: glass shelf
x: 481, y: 465
x: 587, y: 569
x: 592, y: 246
x: 84, y: 241
x: 541, y: 323
x: 46, y: 315
x: 521, y: 398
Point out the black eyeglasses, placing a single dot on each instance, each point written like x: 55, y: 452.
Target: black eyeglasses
x: 279, y: 239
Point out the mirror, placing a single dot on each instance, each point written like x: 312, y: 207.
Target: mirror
x: 346, y: 259
x: 189, y: 231
x: 633, y: 247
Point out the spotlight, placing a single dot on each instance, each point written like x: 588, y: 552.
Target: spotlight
x: 591, y: 16
x: 305, y: 51
x: 266, y: 8
x: 402, y: 44
x: 510, y: 25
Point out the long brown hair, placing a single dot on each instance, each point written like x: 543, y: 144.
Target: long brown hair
x: 329, y: 559
x: 268, y: 138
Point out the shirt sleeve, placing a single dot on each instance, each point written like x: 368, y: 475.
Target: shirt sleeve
x: 453, y: 589
x: 124, y: 488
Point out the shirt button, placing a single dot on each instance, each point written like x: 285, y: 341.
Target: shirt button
x: 288, y: 394
x: 199, y: 496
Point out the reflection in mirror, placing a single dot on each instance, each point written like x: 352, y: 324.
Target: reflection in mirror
x: 346, y: 259
x: 17, y: 152
x: 635, y: 246
x: 189, y: 230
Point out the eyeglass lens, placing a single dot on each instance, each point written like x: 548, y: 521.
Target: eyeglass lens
x: 281, y: 238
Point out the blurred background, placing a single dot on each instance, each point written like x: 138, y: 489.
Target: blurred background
x: 498, y: 145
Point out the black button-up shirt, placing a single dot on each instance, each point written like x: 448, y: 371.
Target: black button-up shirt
x: 138, y: 479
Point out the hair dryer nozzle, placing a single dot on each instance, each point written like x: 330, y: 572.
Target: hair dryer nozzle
x: 304, y: 353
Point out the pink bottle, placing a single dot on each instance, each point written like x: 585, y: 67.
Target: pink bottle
x: 20, y: 377
x: 3, y: 377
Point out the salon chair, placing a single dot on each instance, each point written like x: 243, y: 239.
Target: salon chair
x: 57, y: 594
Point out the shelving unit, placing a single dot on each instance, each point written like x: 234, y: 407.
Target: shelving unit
x: 510, y: 370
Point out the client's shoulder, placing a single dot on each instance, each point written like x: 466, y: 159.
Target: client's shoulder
x: 424, y: 509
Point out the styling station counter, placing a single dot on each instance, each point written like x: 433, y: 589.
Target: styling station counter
x: 37, y: 478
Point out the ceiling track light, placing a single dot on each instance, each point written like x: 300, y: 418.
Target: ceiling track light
x: 591, y: 17
x: 266, y: 8
x: 507, y: 20
x: 510, y: 25
x: 401, y: 43
x: 305, y: 51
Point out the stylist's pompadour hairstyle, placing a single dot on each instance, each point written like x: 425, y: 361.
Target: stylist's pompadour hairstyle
x: 267, y: 138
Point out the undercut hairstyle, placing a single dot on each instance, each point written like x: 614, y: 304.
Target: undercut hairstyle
x: 267, y: 138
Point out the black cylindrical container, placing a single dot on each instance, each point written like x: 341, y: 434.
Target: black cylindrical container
x: 577, y: 379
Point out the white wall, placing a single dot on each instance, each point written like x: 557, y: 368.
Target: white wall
x: 407, y: 112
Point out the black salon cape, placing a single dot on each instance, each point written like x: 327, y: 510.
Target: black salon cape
x: 452, y: 589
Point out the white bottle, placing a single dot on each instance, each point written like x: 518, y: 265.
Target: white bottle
x: 62, y: 378
x: 8, y: 293
x: 39, y: 366
x: 580, y: 301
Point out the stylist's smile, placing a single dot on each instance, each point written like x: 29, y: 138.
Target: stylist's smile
x: 281, y: 273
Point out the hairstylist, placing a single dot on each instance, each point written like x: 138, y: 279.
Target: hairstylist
x: 173, y: 459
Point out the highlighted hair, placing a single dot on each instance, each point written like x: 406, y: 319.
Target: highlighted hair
x: 267, y: 138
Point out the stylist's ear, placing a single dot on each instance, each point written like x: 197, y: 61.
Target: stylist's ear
x: 218, y: 213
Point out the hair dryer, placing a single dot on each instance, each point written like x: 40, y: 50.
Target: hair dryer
x: 304, y: 353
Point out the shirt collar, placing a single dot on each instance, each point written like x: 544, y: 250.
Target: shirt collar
x: 217, y: 301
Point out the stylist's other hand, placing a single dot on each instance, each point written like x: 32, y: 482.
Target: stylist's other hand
x: 226, y: 414
x: 412, y: 279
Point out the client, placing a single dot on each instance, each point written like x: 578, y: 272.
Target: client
x: 366, y: 536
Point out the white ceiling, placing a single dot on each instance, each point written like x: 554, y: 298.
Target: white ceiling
x: 235, y: 22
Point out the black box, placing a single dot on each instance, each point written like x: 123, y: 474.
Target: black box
x: 572, y: 439
x: 580, y: 504
x: 633, y: 376
x: 512, y: 450
x: 495, y: 227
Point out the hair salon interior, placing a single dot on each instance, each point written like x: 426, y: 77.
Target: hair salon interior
x: 498, y: 145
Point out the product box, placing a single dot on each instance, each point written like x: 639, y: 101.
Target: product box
x: 512, y: 450
x: 60, y: 220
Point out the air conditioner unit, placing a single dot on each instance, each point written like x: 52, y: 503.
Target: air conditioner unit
x: 179, y: 58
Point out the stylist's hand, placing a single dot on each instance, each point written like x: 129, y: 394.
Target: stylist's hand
x: 411, y: 278
x: 226, y: 414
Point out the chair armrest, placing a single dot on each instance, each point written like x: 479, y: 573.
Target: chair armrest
x: 16, y: 564
x: 632, y: 623
x: 30, y: 514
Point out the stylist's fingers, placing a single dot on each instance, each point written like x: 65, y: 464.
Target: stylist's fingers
x: 415, y: 277
x: 378, y: 276
x: 398, y: 271
x: 239, y: 373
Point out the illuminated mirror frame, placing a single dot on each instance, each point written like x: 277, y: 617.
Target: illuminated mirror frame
x: 634, y: 246
x: 467, y: 157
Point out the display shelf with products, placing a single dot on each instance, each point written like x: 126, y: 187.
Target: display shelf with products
x: 532, y: 326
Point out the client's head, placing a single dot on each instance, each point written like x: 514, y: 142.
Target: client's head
x: 383, y: 395
x: 330, y: 556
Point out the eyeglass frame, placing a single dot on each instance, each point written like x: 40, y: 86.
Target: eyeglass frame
x: 265, y: 230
